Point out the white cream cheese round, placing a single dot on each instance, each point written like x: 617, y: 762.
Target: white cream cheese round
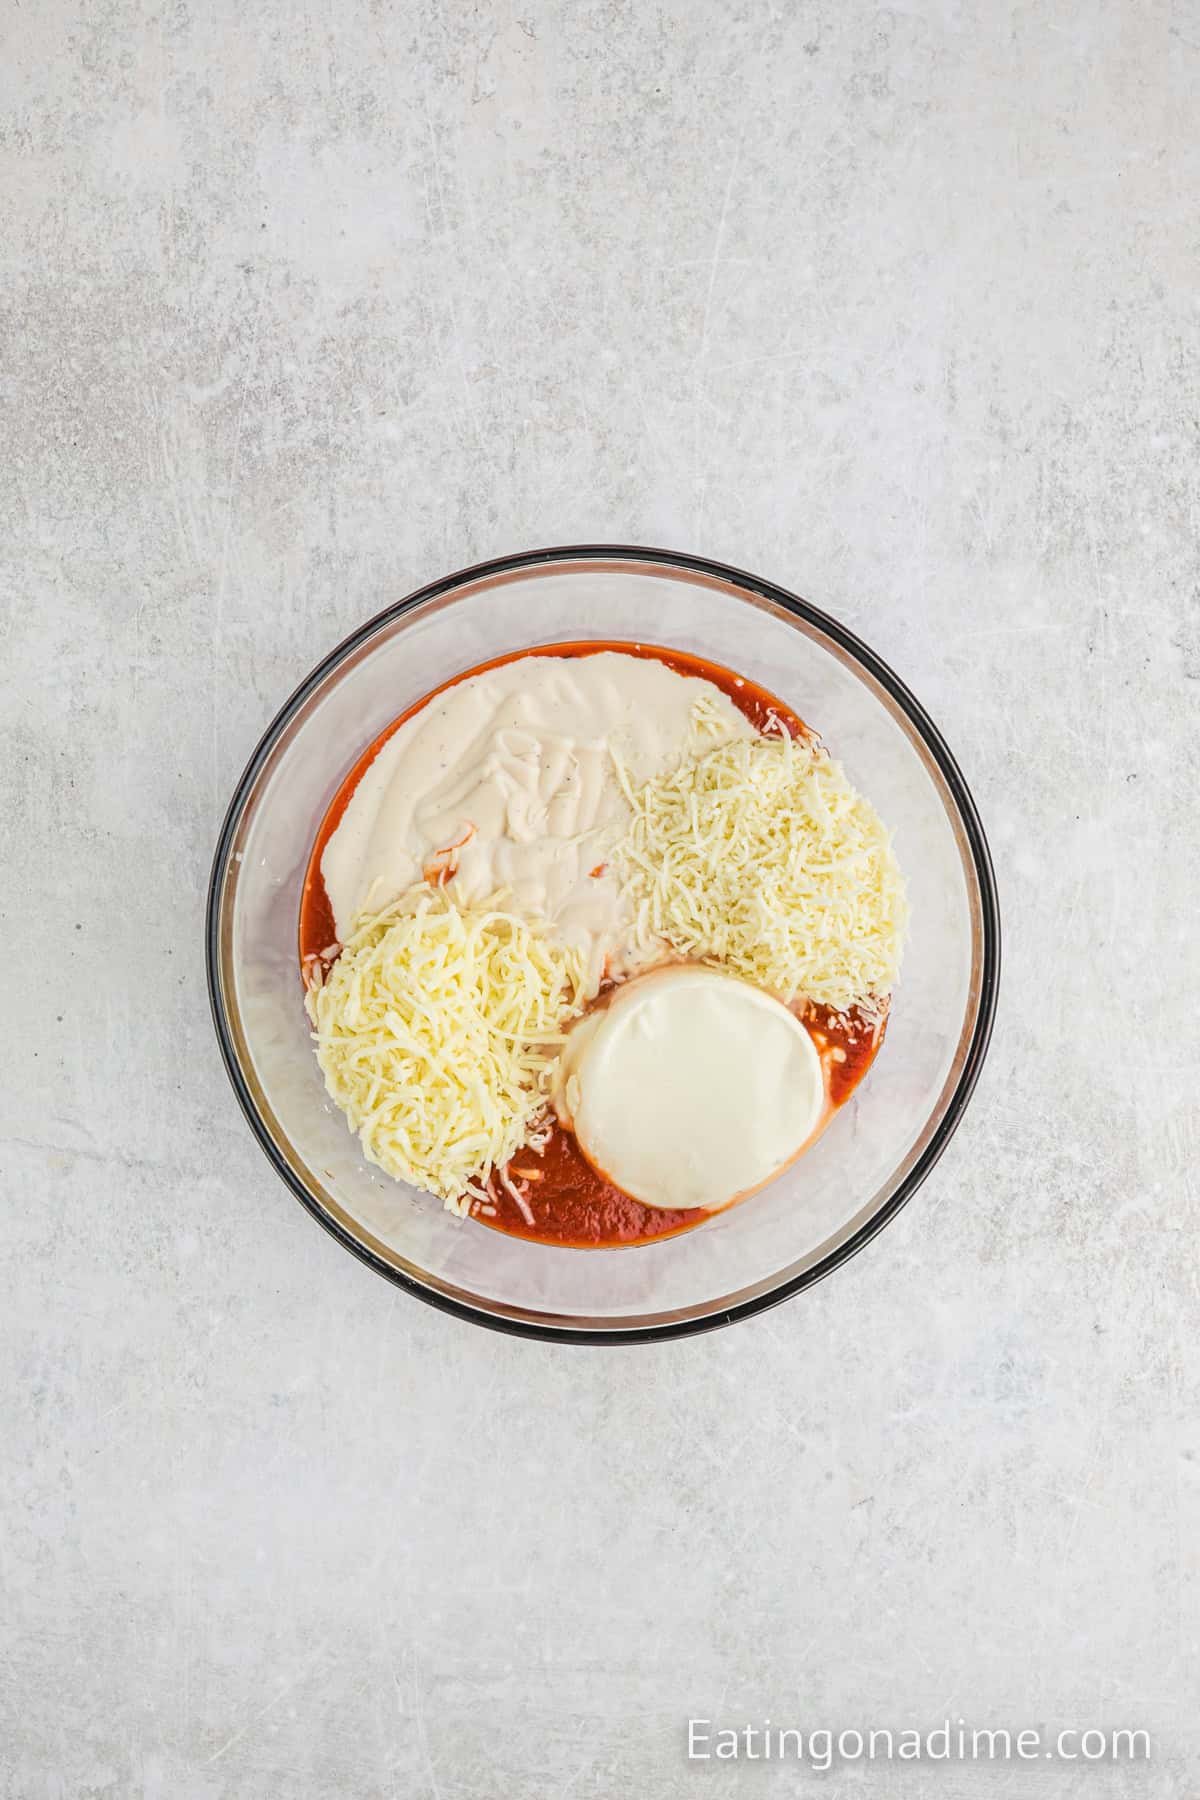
x: 690, y: 1088
x: 507, y: 779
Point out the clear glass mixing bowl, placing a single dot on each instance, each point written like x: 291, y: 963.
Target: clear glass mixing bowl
x: 880, y: 1146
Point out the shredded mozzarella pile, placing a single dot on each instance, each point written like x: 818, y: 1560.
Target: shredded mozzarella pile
x: 760, y: 856
x: 435, y: 1031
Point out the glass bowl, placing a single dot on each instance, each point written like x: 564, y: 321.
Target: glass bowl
x: 880, y: 1146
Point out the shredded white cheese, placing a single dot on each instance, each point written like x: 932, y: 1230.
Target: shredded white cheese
x: 760, y: 856
x: 436, y: 1029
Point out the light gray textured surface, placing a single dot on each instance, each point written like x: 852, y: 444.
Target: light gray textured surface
x: 306, y: 305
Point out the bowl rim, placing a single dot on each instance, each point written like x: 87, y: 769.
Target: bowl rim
x: 972, y: 827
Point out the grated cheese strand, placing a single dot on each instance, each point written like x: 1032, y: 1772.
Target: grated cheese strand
x: 759, y: 855
x: 436, y: 1030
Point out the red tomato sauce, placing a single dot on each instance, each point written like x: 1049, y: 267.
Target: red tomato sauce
x: 569, y: 1203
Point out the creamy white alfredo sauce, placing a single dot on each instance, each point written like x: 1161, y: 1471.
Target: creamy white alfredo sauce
x: 518, y: 762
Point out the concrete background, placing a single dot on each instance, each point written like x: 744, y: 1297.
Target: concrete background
x: 307, y: 304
